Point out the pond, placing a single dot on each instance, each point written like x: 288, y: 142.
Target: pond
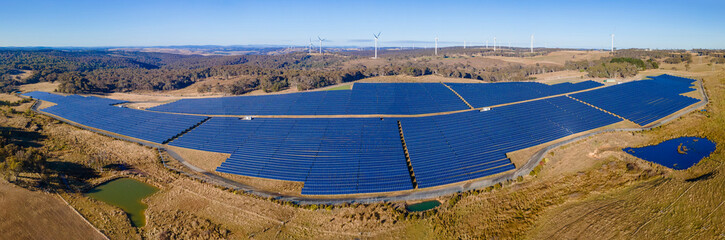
x: 679, y: 153
x: 126, y: 194
x: 423, y: 206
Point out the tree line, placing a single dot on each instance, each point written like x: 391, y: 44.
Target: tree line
x: 103, y: 71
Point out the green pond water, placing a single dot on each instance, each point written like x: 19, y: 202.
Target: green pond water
x: 423, y: 206
x: 126, y: 194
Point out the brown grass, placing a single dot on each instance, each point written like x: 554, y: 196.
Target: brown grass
x: 9, y: 97
x: 555, y: 58
x: 426, y: 78
x: 561, y: 76
x: 36, y: 215
x: 208, y: 161
x: 41, y: 86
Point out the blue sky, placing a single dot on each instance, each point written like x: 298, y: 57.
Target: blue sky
x: 578, y: 24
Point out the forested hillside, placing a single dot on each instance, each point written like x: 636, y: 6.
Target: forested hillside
x: 103, y: 71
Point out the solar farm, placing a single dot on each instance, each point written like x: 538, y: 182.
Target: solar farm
x: 396, y: 137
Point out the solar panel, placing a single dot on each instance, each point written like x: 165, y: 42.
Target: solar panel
x: 490, y: 94
x: 365, y: 155
x: 98, y: 113
x: 365, y: 98
x: 458, y: 147
x: 643, y: 102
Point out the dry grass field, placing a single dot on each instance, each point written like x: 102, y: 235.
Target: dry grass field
x: 426, y: 78
x: 555, y: 58
x: 41, y: 86
x: 37, y: 215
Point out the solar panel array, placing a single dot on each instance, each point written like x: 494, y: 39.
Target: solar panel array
x: 98, y: 113
x: 642, y: 102
x: 489, y: 94
x: 403, y: 98
x: 70, y: 99
x: 331, y: 156
x: 365, y: 155
x: 365, y: 98
x: 458, y: 147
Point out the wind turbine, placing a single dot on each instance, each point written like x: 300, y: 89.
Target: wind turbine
x: 464, y: 44
x: 486, y: 44
x: 318, y: 37
x: 376, y: 44
x: 532, y: 43
x: 436, y: 50
x: 612, y: 49
x: 309, y: 48
x: 494, y: 44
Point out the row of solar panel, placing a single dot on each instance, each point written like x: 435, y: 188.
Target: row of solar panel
x: 98, y: 113
x: 490, y: 94
x: 331, y: 156
x: 375, y: 98
x: 453, y: 148
x: 642, y: 102
x: 77, y: 99
x: 361, y: 155
x: 365, y: 98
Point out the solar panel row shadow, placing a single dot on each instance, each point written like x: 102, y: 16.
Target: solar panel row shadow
x: 645, y: 101
x: 458, y: 147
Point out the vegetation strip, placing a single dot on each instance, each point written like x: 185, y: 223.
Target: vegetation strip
x: 598, y: 108
x: 186, y: 131
x: 459, y: 95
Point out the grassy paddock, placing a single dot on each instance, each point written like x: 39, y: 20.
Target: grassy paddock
x: 341, y: 87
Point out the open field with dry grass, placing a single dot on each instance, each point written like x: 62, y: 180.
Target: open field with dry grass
x: 426, y: 78
x: 555, y: 58
x: 41, y: 86
x: 37, y: 215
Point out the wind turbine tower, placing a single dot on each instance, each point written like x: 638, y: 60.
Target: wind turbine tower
x: 532, y: 43
x: 318, y: 37
x: 612, y: 49
x: 494, y: 44
x: 376, y: 44
x: 436, y: 48
x: 309, y: 48
x: 464, y: 44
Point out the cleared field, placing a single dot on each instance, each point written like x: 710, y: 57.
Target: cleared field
x: 8, y: 97
x: 340, y: 87
x: 561, y: 76
x: 556, y: 58
x: 41, y: 86
x: 38, y: 215
x: 426, y: 78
